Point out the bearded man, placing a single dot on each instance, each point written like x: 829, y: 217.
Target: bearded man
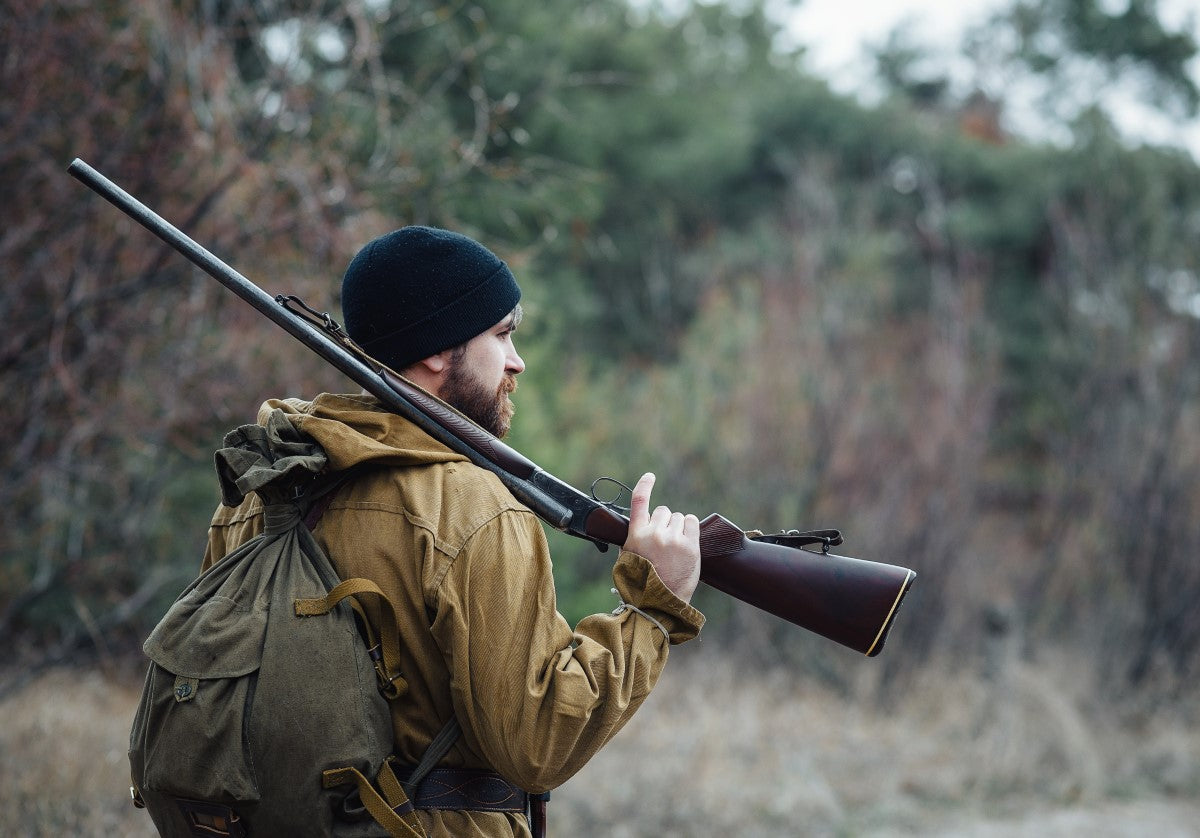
x: 466, y: 565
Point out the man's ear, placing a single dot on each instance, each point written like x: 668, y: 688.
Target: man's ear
x: 429, y: 372
x: 436, y: 364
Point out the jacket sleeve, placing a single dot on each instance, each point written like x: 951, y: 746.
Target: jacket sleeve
x: 538, y: 699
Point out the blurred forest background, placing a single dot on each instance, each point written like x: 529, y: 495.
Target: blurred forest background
x: 975, y: 352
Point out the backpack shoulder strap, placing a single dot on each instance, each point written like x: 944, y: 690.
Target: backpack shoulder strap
x: 438, y: 748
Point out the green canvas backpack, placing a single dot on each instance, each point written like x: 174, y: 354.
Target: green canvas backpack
x: 264, y: 710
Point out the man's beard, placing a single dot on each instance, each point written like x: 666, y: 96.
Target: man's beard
x: 491, y: 409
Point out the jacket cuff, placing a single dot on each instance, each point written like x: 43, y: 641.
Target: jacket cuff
x: 639, y: 584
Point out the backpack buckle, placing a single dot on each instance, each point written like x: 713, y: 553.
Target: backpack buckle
x: 211, y: 819
x: 387, y: 683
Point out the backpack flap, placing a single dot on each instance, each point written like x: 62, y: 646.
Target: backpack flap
x: 216, y: 627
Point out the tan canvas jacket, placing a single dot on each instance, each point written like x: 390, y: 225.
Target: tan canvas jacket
x: 469, y: 570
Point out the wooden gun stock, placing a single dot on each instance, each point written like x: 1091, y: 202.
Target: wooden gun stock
x: 850, y: 601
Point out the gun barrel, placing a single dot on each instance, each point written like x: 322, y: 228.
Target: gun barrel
x: 389, y: 388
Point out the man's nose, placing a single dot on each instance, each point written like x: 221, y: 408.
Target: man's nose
x: 515, y: 364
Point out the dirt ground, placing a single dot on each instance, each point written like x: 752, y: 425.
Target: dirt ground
x: 718, y: 752
x: 1133, y: 819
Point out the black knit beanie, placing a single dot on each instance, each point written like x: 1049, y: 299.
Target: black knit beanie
x: 419, y: 290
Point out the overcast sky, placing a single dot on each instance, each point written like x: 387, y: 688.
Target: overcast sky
x: 836, y: 32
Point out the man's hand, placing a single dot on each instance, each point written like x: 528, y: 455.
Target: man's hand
x: 669, y: 540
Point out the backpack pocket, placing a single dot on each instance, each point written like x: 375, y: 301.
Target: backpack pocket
x: 199, y: 743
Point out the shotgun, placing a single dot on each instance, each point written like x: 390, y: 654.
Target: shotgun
x: 849, y: 601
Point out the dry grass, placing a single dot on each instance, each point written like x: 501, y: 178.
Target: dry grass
x: 719, y: 752
x: 63, y: 769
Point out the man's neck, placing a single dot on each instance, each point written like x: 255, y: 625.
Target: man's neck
x: 424, y: 378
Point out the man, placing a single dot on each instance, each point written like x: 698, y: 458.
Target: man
x: 466, y: 565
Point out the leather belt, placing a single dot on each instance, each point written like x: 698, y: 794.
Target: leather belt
x: 463, y: 788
